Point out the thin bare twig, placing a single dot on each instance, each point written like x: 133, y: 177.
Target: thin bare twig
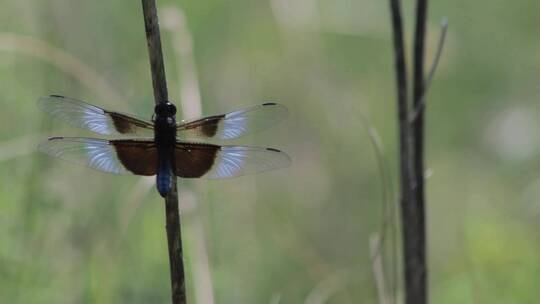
x: 434, y: 65
x: 173, y: 226
x: 437, y: 59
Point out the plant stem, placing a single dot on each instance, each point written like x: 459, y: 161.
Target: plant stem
x: 411, y: 140
x: 153, y: 37
x: 173, y: 227
x: 416, y: 275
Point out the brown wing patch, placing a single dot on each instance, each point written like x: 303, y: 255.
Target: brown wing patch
x: 138, y: 156
x: 206, y: 126
x: 194, y: 160
x: 127, y: 125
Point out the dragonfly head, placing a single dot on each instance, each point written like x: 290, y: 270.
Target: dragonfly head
x: 165, y: 109
x: 165, y: 112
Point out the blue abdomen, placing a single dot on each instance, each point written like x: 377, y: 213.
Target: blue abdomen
x: 164, y: 176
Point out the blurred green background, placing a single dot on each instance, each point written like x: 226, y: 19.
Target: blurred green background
x: 69, y: 234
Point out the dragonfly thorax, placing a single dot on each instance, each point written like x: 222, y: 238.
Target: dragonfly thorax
x: 165, y: 123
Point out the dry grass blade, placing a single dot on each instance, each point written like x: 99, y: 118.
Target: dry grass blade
x: 190, y: 98
x: 378, y: 270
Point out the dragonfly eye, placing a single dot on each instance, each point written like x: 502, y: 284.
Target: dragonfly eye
x: 165, y: 109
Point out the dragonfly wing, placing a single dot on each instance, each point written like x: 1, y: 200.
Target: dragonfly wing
x: 84, y: 115
x: 234, y: 124
x: 127, y: 156
x: 216, y: 162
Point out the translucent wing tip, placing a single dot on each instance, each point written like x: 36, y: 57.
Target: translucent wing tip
x: 236, y: 161
x: 49, y: 146
x: 283, y: 159
x: 277, y: 107
x: 43, y: 100
x: 53, y: 103
x: 280, y: 111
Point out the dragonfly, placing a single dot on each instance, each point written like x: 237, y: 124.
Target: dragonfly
x: 161, y: 146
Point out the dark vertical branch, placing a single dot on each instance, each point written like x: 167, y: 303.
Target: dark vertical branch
x: 153, y: 37
x: 417, y: 279
x: 411, y: 157
x: 174, y: 238
x: 173, y: 227
x: 406, y: 198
